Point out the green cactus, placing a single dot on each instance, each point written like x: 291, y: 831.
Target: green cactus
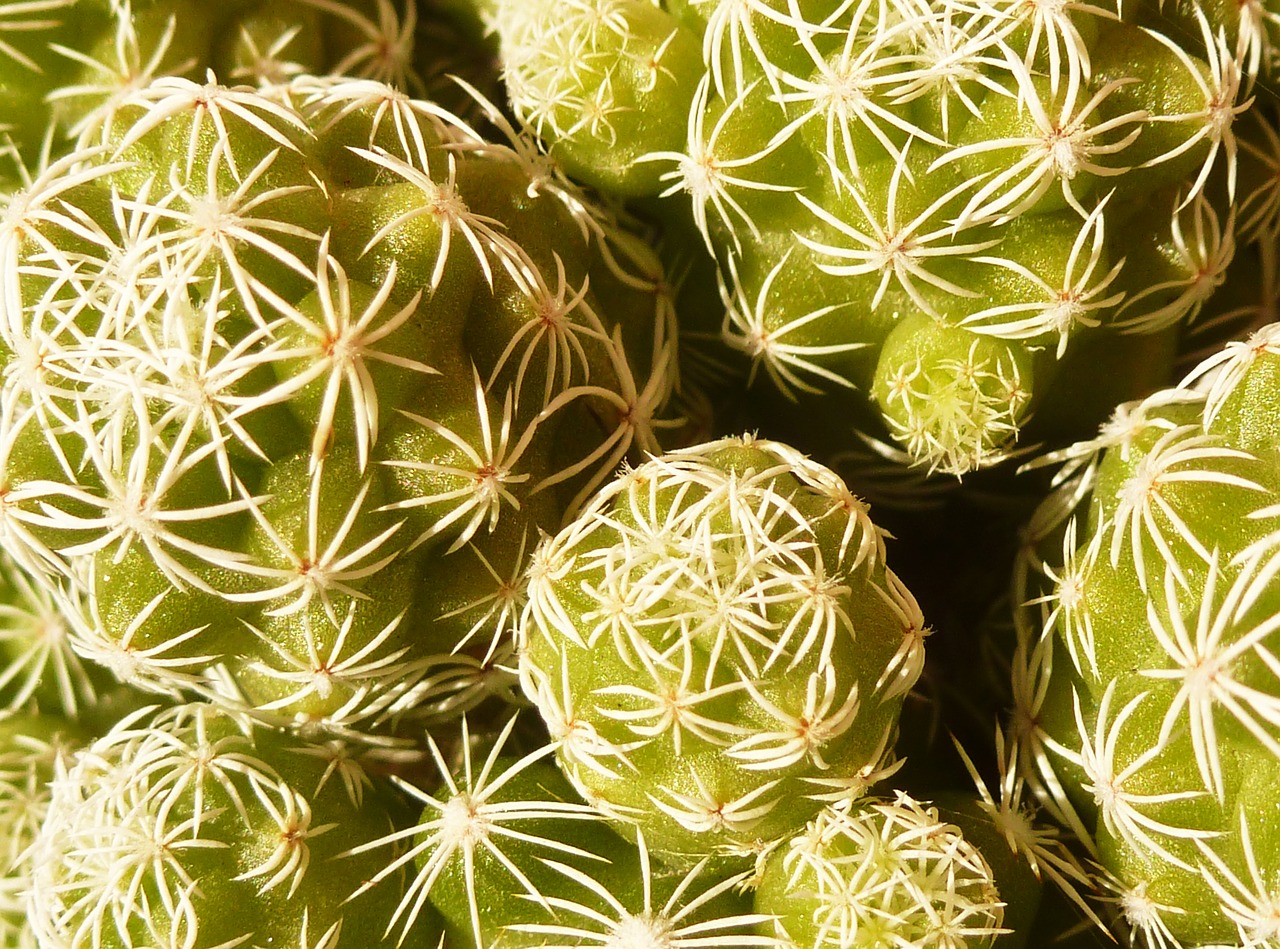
x: 32, y: 749
x: 717, y: 647
x: 921, y: 210
x: 508, y: 855
x: 39, y: 665
x: 67, y: 65
x: 1148, y: 651
x: 176, y: 816
x: 883, y: 873
x: 269, y: 356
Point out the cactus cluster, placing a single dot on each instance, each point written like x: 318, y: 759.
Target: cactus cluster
x: 266, y: 351
x: 720, y: 657
x: 382, y: 560
x: 67, y: 65
x: 929, y: 218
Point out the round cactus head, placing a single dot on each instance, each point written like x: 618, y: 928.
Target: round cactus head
x: 190, y: 827
x: 718, y: 648
x: 883, y: 873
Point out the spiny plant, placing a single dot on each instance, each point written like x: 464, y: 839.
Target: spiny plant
x: 39, y: 666
x: 510, y: 856
x: 192, y: 828
x: 66, y: 65
x: 289, y: 379
x: 928, y: 216
x: 718, y: 648
x: 31, y: 746
x: 1148, y: 673
x: 885, y: 872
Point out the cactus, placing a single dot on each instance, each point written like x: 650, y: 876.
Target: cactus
x: 39, y: 665
x: 509, y: 856
x: 269, y: 356
x: 295, y: 374
x: 190, y: 827
x: 717, y: 647
x: 886, y: 872
x: 921, y: 211
x: 67, y: 65
x: 32, y: 748
x: 1148, y: 649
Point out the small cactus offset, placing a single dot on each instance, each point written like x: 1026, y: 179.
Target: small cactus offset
x: 1149, y: 699
x: 291, y: 379
x: 931, y: 219
x: 175, y: 817
x: 717, y: 647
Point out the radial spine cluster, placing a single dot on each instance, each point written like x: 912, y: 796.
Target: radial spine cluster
x: 268, y: 351
x: 928, y: 218
x: 1150, y: 645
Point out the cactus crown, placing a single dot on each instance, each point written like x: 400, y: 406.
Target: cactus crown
x: 714, y: 635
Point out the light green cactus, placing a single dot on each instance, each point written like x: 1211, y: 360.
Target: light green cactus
x: 508, y: 855
x: 191, y: 827
x: 717, y: 647
x: 1150, y: 683
x: 39, y: 666
x: 67, y: 65
x: 882, y: 873
x: 32, y: 748
x: 927, y: 216
x: 268, y: 357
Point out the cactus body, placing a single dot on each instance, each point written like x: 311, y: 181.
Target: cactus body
x: 175, y: 816
x: 885, y: 872
x: 919, y: 210
x: 717, y: 647
x: 1150, y: 642
x: 267, y: 356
